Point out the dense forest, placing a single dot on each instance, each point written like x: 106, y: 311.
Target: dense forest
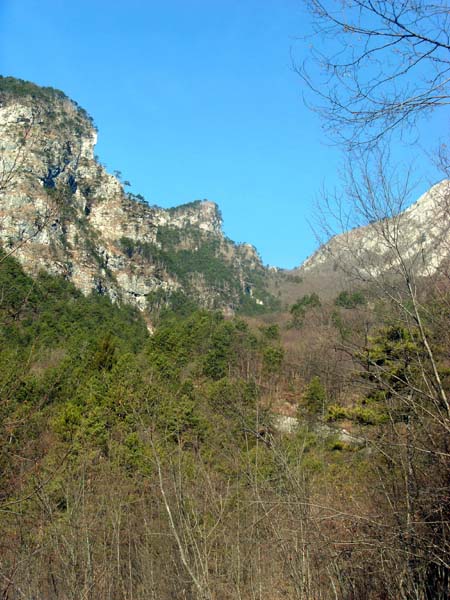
x: 140, y: 466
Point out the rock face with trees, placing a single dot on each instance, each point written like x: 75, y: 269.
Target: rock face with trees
x: 62, y: 212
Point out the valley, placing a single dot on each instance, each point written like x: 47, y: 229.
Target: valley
x: 179, y: 420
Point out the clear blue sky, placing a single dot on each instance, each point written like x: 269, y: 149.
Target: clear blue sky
x: 193, y: 99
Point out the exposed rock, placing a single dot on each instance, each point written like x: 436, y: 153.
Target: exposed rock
x: 62, y: 212
x: 416, y: 240
x: 289, y: 425
x: 285, y: 424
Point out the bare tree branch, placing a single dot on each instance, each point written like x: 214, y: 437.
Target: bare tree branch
x: 380, y: 65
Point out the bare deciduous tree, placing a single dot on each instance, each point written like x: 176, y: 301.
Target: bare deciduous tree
x: 403, y: 360
x: 377, y: 65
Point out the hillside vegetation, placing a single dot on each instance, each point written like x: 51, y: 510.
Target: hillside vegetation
x: 180, y: 422
x: 150, y: 466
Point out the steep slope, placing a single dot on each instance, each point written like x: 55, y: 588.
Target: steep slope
x: 416, y: 240
x: 419, y: 234
x: 62, y: 212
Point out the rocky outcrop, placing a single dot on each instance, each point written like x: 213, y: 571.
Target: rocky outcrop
x: 62, y: 212
x: 415, y: 241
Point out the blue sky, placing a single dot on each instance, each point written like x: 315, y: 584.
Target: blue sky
x: 193, y: 99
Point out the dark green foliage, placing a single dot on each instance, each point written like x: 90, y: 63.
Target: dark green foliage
x: 273, y: 359
x: 301, y: 307
x: 105, y: 354
x: 233, y: 397
x: 93, y: 378
x: 391, y: 362
x: 271, y: 332
x: 48, y: 310
x: 135, y: 197
x: 180, y: 420
x: 314, y: 398
x: 204, y: 334
x: 171, y: 236
x: 19, y: 88
x: 127, y: 246
x: 220, y: 355
x: 309, y: 301
x: 203, y: 258
x: 206, y: 261
x: 394, y: 359
x: 183, y: 263
x: 394, y: 351
x: 178, y: 303
x: 248, y: 305
x: 183, y: 207
x: 350, y: 299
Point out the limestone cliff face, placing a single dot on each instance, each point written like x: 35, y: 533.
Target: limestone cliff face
x: 417, y: 240
x: 62, y: 212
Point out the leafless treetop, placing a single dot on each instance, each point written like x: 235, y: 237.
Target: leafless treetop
x: 377, y: 65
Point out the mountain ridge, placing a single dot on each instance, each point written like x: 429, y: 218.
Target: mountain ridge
x: 62, y: 212
x: 413, y: 242
x: 429, y: 211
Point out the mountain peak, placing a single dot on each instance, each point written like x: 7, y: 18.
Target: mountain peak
x: 415, y: 239
x: 62, y: 212
x: 203, y: 214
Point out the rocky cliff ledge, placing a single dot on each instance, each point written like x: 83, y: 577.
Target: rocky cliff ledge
x: 62, y: 212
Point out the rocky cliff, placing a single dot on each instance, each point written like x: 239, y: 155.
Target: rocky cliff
x: 62, y: 212
x: 413, y: 242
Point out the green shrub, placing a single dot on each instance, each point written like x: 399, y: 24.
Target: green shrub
x: 336, y: 412
x: 299, y: 309
x: 314, y: 397
x: 350, y: 299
